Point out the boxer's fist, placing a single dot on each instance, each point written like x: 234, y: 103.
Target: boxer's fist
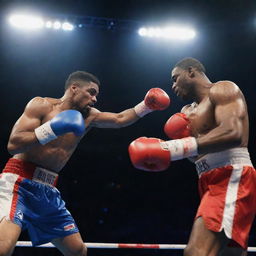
x: 157, y: 99
x: 64, y: 122
x: 177, y: 126
x: 152, y: 154
x: 148, y: 155
x: 68, y: 121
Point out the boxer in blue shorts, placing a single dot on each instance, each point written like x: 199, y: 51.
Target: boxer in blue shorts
x: 41, y: 142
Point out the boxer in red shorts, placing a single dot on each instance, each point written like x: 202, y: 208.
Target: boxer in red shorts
x: 213, y: 132
x: 41, y: 142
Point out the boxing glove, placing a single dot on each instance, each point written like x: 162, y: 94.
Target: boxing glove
x: 155, y: 99
x: 148, y: 155
x: 177, y: 126
x: 152, y: 154
x: 64, y: 122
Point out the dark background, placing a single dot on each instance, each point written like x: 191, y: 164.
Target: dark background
x: 110, y: 200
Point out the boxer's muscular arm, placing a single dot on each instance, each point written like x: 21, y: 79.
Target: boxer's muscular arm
x: 113, y: 120
x: 23, y: 137
x: 155, y: 99
x: 230, y: 111
x: 152, y: 154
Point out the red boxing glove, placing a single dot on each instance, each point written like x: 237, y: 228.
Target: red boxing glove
x: 148, y: 155
x: 152, y: 154
x: 155, y: 99
x: 177, y: 126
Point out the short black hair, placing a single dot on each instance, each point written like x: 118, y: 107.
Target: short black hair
x: 186, y: 63
x: 81, y: 76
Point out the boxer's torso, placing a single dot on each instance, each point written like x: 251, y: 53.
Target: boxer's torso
x: 55, y: 154
x: 202, y: 119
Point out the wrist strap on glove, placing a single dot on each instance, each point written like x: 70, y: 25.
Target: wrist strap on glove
x: 44, y: 133
x: 142, y: 109
x: 181, y: 148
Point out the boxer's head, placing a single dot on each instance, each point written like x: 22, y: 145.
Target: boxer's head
x: 81, y: 76
x: 183, y: 76
x: 83, y: 89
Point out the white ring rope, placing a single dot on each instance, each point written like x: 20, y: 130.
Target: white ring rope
x: 121, y: 245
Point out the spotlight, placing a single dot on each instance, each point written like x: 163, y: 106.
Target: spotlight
x: 32, y: 22
x: 48, y: 24
x: 26, y: 21
x: 67, y: 26
x: 142, y: 31
x: 56, y: 25
x: 174, y: 32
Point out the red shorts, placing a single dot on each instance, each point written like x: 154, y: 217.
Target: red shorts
x: 228, y: 201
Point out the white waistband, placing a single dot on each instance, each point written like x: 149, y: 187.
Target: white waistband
x: 220, y: 159
x: 45, y: 176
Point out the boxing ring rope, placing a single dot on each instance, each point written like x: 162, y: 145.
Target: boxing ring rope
x: 121, y: 246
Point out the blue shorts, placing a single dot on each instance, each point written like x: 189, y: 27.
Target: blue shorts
x: 33, y: 203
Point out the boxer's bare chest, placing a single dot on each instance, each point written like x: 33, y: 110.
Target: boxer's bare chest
x: 67, y: 141
x: 55, y: 154
x: 201, y: 117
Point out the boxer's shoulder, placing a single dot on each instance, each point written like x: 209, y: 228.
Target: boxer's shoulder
x: 224, y: 87
x: 224, y: 91
x: 51, y: 101
x: 225, y: 84
x: 91, y: 115
x: 93, y: 112
x: 43, y: 102
x: 40, y: 105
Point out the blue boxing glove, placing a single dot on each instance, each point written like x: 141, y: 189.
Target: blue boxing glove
x: 64, y: 122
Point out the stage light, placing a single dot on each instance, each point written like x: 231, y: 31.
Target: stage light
x: 67, y: 26
x: 26, y: 21
x: 48, y: 24
x: 176, y: 33
x: 142, y: 31
x: 23, y: 21
x: 56, y: 25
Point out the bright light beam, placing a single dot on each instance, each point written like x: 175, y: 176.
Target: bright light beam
x: 30, y: 22
x: 56, y: 25
x: 67, y: 26
x: 174, y: 33
x: 48, y: 24
x: 26, y: 21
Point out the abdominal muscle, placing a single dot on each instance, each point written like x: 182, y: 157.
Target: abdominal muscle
x: 54, y: 155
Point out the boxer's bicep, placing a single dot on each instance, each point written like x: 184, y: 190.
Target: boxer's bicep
x: 234, y: 110
x: 230, y: 108
x: 229, y: 112
x: 114, y: 120
x: 104, y: 120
